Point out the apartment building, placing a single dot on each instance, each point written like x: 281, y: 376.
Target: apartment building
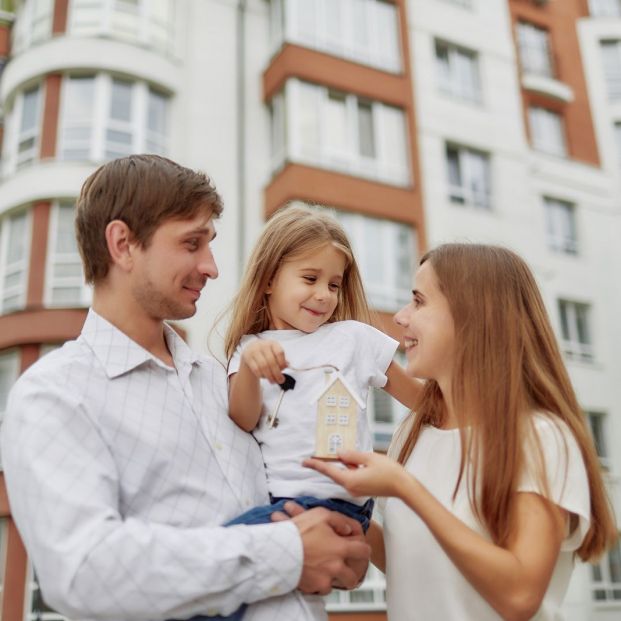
x: 416, y: 121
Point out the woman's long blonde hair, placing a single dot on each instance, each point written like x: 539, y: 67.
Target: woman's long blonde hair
x: 290, y: 233
x: 507, y: 363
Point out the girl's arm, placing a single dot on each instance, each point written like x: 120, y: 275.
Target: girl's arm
x: 512, y: 579
x: 259, y: 359
x: 402, y: 387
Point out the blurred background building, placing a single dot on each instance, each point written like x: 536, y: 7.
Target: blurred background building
x: 417, y: 121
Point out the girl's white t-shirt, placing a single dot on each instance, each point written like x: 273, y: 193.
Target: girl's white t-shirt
x: 361, y: 353
x: 422, y: 583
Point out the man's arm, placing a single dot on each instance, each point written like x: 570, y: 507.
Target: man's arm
x: 92, y: 562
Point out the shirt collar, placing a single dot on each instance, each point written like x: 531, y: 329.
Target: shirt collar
x: 119, y: 354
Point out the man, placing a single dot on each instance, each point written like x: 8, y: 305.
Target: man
x: 119, y: 456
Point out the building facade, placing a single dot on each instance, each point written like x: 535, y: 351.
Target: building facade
x: 416, y: 121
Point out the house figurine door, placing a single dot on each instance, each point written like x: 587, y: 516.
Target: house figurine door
x: 338, y: 408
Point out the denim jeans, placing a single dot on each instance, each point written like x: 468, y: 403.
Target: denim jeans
x: 263, y: 515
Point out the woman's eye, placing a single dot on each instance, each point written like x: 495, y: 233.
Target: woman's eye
x: 334, y: 286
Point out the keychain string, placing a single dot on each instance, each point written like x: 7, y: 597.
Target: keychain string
x: 319, y: 366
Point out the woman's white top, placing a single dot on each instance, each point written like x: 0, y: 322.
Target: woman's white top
x: 421, y: 581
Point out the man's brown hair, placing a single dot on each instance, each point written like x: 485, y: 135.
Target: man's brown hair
x: 143, y: 191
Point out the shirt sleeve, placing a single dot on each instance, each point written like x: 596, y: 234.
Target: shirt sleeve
x: 235, y: 361
x: 377, y: 351
x: 565, y: 474
x: 92, y: 562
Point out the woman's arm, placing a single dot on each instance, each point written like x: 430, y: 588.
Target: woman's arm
x: 402, y: 387
x: 375, y: 538
x: 259, y: 359
x: 514, y: 579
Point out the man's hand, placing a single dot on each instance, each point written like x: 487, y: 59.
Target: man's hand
x: 335, y: 554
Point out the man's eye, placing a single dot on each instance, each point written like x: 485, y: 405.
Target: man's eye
x: 192, y: 244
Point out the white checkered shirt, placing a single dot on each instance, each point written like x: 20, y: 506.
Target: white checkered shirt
x: 120, y: 470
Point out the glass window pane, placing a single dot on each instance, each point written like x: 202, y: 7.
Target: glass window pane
x: 79, y: 99
x: 121, y: 100
x: 65, y: 239
x: 157, y: 112
x: 17, y: 239
x: 365, y: 129
x: 29, y: 110
x: 336, y: 122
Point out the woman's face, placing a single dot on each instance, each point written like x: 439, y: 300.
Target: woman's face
x: 428, y: 329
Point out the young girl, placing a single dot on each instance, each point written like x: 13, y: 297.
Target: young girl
x: 301, y: 310
x: 497, y: 486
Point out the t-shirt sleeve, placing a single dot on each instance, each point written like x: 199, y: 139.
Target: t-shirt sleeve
x: 376, y: 351
x: 568, y: 485
x: 235, y: 360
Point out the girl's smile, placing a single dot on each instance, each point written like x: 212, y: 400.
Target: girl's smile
x: 304, y: 293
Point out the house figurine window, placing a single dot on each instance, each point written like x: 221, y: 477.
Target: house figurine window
x: 335, y: 443
x: 335, y: 391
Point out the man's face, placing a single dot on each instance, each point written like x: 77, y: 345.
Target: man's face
x: 168, y: 275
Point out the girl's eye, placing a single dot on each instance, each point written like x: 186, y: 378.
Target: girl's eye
x: 309, y: 278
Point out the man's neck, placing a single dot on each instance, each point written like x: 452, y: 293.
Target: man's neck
x: 128, y: 317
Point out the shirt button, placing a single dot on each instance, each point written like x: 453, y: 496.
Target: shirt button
x: 275, y: 591
x: 212, y: 612
x: 219, y: 448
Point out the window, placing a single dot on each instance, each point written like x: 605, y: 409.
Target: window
x: 146, y: 22
x: 546, y: 129
x: 575, y: 329
x: 370, y: 595
x: 9, y: 371
x: 3, y: 546
x: 343, y: 419
x: 458, y: 71
x: 323, y: 127
x: 605, y: 8
x: 365, y: 31
x: 14, y: 247
x: 561, y: 225
x: 22, y: 128
x: 335, y: 443
x: 331, y: 400
x: 534, y: 49
x: 606, y: 574
x: 468, y: 177
x: 33, y: 24
x: 65, y: 278
x: 611, y: 53
x: 385, y: 253
x: 38, y: 610
x: 597, y: 425
x: 330, y: 419
x: 344, y: 402
x: 104, y: 118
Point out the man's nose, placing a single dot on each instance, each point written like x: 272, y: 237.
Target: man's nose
x: 208, y: 265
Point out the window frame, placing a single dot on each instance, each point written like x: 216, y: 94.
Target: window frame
x: 21, y: 266
x: 571, y: 345
x: 611, y: 590
x: 464, y: 194
x: 532, y: 51
x: 598, y: 433
x: 542, y: 129
x: 98, y: 147
x: 450, y: 81
x: 556, y: 241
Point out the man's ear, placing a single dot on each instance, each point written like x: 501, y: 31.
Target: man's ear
x: 120, y: 244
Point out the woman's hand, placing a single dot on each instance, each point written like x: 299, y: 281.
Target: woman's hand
x: 367, y: 474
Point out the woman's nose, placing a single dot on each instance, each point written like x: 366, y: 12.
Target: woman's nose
x: 401, y: 317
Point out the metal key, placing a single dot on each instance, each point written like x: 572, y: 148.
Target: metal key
x: 288, y: 384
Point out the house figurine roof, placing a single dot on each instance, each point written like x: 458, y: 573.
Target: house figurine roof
x: 335, y: 375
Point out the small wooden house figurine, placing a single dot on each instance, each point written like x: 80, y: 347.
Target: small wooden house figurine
x: 337, y: 417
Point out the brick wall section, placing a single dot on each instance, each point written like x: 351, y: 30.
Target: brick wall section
x: 559, y: 19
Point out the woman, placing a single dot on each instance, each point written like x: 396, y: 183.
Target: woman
x: 496, y: 487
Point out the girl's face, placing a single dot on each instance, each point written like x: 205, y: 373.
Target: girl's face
x: 429, y: 330
x: 304, y: 293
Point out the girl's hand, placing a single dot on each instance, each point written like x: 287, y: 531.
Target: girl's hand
x: 265, y: 360
x: 367, y: 474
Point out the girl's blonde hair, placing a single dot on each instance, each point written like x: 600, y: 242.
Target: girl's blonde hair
x: 507, y: 363
x: 290, y: 233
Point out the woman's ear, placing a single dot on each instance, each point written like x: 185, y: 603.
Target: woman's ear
x: 119, y: 241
